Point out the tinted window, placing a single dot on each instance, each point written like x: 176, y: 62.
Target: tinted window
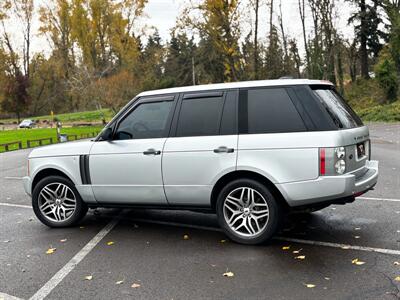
x: 229, y: 114
x: 147, y: 120
x: 337, y: 108
x: 271, y: 111
x: 200, y: 116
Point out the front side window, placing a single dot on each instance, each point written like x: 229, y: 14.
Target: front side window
x: 200, y: 116
x: 146, y: 121
x: 270, y: 110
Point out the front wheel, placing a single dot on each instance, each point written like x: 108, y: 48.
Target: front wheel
x: 248, y: 212
x: 57, y: 203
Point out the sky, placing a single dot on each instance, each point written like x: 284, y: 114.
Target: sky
x: 163, y: 14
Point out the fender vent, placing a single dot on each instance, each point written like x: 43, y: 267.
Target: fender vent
x: 84, y: 169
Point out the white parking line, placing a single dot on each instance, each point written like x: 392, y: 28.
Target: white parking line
x: 15, y: 205
x: 292, y: 240
x: 13, y: 177
x: 4, y: 296
x: 45, y: 290
x: 342, y: 246
x: 379, y: 199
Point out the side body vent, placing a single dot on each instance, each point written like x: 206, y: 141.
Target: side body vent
x: 84, y: 169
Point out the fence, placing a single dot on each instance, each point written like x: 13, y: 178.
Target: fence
x: 40, y: 142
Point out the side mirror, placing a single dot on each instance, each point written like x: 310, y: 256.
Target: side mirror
x: 106, y: 134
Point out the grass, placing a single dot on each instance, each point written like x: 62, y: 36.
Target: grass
x: 23, y: 135
x: 86, y: 116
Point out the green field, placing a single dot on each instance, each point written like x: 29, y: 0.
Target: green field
x: 24, y: 135
x: 85, y: 116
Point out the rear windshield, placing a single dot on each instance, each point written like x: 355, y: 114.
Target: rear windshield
x: 340, y: 112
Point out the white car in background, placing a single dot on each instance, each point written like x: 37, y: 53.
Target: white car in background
x: 27, y: 123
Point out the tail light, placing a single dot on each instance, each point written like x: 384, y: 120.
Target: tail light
x: 322, y: 161
x: 332, y: 161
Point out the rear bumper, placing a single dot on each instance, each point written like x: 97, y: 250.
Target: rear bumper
x: 326, y: 189
x: 27, y: 185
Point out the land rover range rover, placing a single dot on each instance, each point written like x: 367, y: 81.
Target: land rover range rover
x: 248, y: 151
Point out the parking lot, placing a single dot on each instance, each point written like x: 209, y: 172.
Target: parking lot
x: 341, y: 252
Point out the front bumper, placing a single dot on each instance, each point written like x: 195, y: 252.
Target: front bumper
x: 324, y: 189
x: 27, y: 185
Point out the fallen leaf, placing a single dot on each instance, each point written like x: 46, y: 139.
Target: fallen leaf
x: 297, y: 251
x: 89, y: 277
x: 228, y: 274
x: 356, y: 236
x: 81, y: 227
x: 6, y: 241
x: 310, y: 285
x: 51, y: 250
x: 333, y: 208
x: 223, y: 241
x: 357, y: 262
x: 185, y: 237
x: 110, y: 243
x: 397, y: 278
x: 396, y: 263
x: 327, y: 278
x: 135, y: 226
x: 30, y: 219
x: 63, y: 240
x: 119, y: 282
x: 285, y: 247
x: 300, y: 257
x: 357, y: 228
x: 135, y: 285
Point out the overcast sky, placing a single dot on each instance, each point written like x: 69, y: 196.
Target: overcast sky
x: 162, y: 14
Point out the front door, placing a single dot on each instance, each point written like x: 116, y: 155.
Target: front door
x: 127, y: 169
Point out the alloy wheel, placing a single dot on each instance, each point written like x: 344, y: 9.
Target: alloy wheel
x: 57, y: 202
x: 246, y: 211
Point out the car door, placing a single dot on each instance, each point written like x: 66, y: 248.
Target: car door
x: 202, y: 146
x: 127, y: 169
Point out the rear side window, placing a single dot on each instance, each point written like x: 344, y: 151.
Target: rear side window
x: 338, y: 110
x: 200, y: 116
x: 272, y: 111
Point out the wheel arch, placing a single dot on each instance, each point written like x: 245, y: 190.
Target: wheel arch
x: 46, y: 172
x: 218, y: 186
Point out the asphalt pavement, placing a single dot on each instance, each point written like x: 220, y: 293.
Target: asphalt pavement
x: 341, y: 252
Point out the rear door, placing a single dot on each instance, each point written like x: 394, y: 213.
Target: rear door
x: 202, y: 146
x: 127, y: 169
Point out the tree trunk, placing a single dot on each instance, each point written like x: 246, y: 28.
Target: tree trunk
x: 303, y: 24
x: 256, y: 40
x: 363, y: 41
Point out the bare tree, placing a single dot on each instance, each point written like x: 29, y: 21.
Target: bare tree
x: 302, y: 12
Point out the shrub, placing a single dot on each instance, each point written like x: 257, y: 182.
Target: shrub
x: 386, y: 74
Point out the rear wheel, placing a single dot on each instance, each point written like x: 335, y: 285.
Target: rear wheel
x: 57, y: 203
x: 248, y: 212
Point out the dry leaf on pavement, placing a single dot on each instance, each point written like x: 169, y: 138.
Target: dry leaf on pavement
x: 119, y: 282
x: 51, y: 250
x: 228, y: 274
x: 300, y: 257
x: 357, y: 262
x: 63, y: 240
x: 310, y: 285
x: 89, y: 277
x: 285, y: 247
x: 397, y: 278
x: 135, y: 285
x: 185, y: 237
x: 110, y: 243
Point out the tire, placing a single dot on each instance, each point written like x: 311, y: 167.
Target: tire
x: 57, y: 203
x: 244, y: 216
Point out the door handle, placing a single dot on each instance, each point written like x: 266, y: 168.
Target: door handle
x: 223, y: 149
x: 152, y: 151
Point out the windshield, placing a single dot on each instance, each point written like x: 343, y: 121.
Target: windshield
x: 340, y: 112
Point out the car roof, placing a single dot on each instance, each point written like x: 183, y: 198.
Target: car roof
x: 233, y: 85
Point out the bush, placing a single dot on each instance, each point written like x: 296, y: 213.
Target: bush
x: 386, y: 74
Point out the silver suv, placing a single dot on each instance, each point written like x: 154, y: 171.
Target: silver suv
x: 248, y: 151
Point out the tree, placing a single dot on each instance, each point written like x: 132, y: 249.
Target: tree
x: 386, y: 74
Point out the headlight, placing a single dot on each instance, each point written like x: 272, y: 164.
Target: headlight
x: 340, y: 152
x: 340, y: 166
